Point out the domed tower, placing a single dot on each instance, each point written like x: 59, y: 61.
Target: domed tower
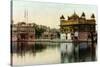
x: 62, y: 20
x: 62, y: 17
x: 93, y: 16
x: 74, y: 16
x: 83, y: 15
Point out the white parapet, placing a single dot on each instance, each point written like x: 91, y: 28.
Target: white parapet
x: 63, y: 36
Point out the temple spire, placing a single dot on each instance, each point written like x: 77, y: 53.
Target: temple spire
x: 74, y: 16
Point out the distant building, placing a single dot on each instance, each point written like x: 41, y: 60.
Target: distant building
x: 84, y: 27
x: 23, y: 32
x: 50, y: 34
x: 46, y: 35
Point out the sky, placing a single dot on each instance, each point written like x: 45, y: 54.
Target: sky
x: 45, y: 13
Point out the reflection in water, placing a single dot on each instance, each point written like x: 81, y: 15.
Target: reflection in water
x: 24, y: 53
x: 36, y: 53
x: 67, y: 50
x: 81, y: 52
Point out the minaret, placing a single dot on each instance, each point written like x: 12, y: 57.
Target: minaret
x: 26, y: 16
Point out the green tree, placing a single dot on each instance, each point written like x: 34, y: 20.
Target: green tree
x: 39, y: 31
